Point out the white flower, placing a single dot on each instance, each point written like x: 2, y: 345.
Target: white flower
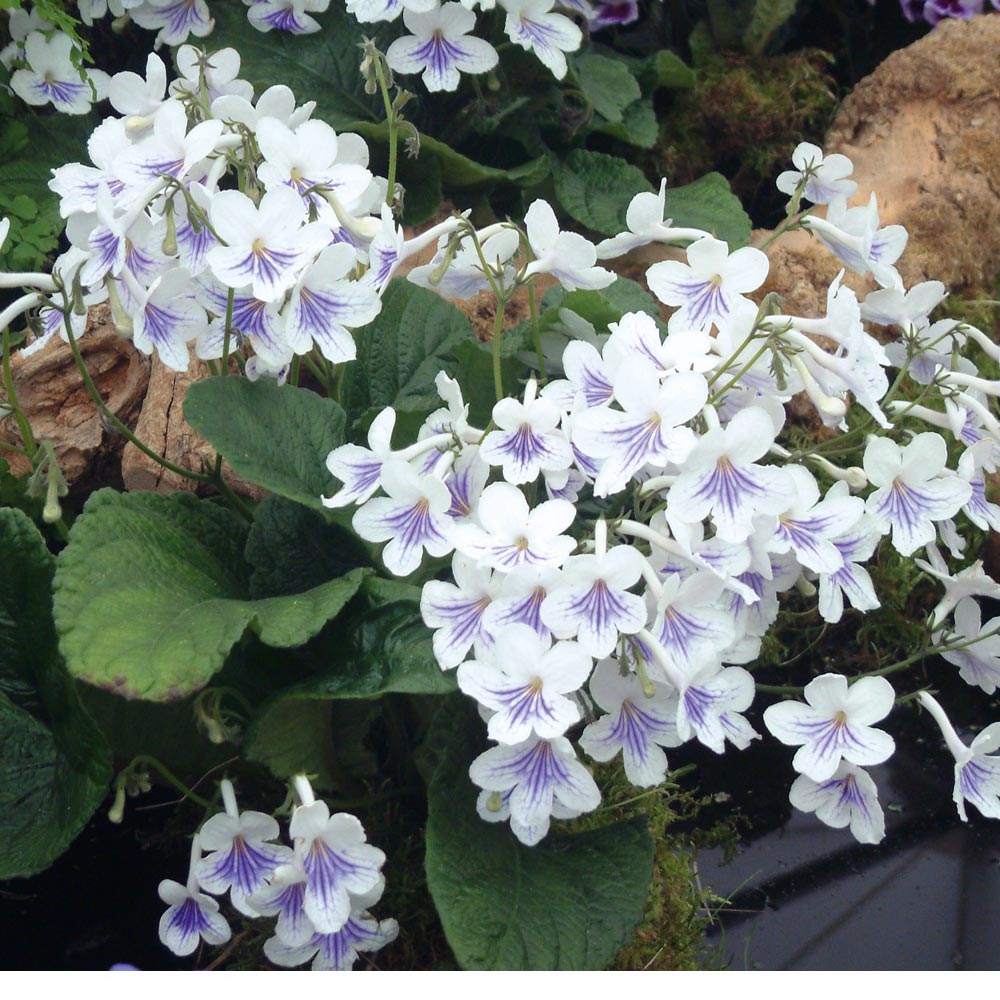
x: 528, y: 439
x: 191, y: 915
x: 835, y: 724
x: 828, y: 177
x: 644, y: 219
x: 542, y: 778
x: 979, y: 662
x: 912, y: 492
x: 359, y: 469
x: 174, y: 19
x: 130, y: 94
x: 266, y: 247
x: 52, y: 77
x: 286, y: 15
x: 509, y: 535
x: 411, y: 518
x: 710, y: 288
x: 977, y: 767
x: 637, y: 724
x: 168, y: 317
x: 439, y: 46
x: 456, y: 611
x: 847, y: 798
x: 568, y: 257
x: 532, y: 25
x: 525, y: 683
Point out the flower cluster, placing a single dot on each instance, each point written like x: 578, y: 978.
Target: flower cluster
x: 320, y: 889
x: 630, y: 632
x: 184, y: 259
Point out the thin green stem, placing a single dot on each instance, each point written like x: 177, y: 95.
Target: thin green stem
x: 497, y: 339
x: 30, y: 445
x: 536, y: 332
x: 170, y: 777
x: 391, y: 121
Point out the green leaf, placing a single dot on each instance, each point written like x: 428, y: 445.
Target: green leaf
x: 54, y: 764
x: 570, y: 902
x: 768, y: 16
x: 709, y: 204
x: 670, y: 71
x: 385, y: 648
x: 401, y: 351
x: 607, y: 85
x: 277, y: 436
x: 292, y: 549
x: 152, y: 593
x: 596, y: 188
x: 324, y: 66
x: 638, y: 126
x: 475, y: 373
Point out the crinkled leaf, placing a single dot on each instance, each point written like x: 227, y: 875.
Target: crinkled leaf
x: 607, y: 84
x: 708, y: 203
x: 54, y: 764
x: 596, y: 188
x: 638, y: 125
x: 277, y: 436
x: 384, y: 647
x: 401, y: 351
x: 570, y: 902
x: 152, y: 593
x: 324, y: 66
x: 292, y: 549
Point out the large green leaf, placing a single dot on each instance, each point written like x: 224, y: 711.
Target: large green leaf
x: 292, y: 549
x: 596, y: 188
x: 401, y: 351
x: 638, y: 125
x: 709, y: 204
x: 324, y: 67
x: 607, y: 84
x: 54, y: 765
x: 277, y: 436
x: 571, y: 902
x: 152, y: 593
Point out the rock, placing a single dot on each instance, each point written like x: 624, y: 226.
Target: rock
x: 59, y: 408
x: 923, y: 132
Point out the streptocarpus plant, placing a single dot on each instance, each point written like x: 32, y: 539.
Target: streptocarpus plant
x: 622, y: 522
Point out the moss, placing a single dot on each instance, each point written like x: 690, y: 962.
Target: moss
x: 671, y: 934
x: 744, y: 117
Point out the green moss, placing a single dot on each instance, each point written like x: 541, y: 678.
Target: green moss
x: 744, y: 117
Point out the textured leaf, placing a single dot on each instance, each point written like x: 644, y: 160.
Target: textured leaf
x: 322, y: 67
x: 152, y: 593
x: 384, y: 648
x: 401, y: 351
x: 709, y: 204
x: 277, y: 436
x: 54, y: 764
x: 607, y: 84
x: 767, y: 18
x: 571, y: 902
x: 292, y: 549
x: 596, y: 188
x: 638, y: 125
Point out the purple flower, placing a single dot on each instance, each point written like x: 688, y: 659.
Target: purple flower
x: 611, y: 12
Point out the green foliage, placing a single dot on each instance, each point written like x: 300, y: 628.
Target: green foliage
x: 292, y: 549
x: 30, y: 148
x: 400, y: 353
x: 323, y: 67
x: 382, y: 647
x: 767, y: 18
x: 596, y: 188
x: 709, y: 204
x: 568, y: 903
x: 152, y: 593
x: 54, y: 765
x: 607, y: 84
x: 277, y: 436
